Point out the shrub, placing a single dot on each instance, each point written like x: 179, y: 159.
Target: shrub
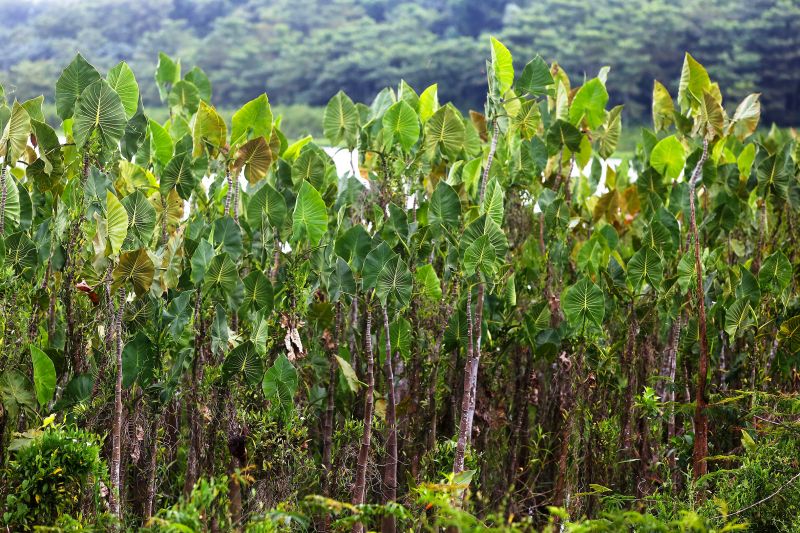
x: 48, y: 476
x: 764, y: 490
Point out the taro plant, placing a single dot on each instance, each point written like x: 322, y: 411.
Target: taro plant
x: 487, y: 291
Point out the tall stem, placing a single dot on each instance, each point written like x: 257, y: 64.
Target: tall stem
x: 116, y: 429
x: 363, y: 452
x: 229, y: 194
x: 465, y: 425
x: 473, y: 350
x: 327, y: 425
x: 699, y: 465
x: 3, y: 194
x: 388, y: 523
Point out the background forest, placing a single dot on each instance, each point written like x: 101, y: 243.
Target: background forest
x: 303, y: 51
x: 491, y: 320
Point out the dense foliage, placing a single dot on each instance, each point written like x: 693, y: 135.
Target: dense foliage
x: 303, y: 51
x: 482, y: 324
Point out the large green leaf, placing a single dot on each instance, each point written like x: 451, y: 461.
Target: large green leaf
x: 134, y: 268
x: 116, y: 222
x: 480, y: 257
x: 74, y: 79
x: 668, y: 157
x: 198, y: 78
x: 775, y: 174
x: 34, y: 108
x: 400, y: 124
x: 184, y: 97
x: 589, y: 103
x: 15, y: 393
x: 243, y: 361
x: 138, y: 361
x: 44, y: 376
x: 267, y: 201
x: 694, y: 81
x: 160, y: 142
x: 354, y: 246
x: 663, y: 107
x: 201, y: 259
x: 280, y: 384
x: 13, y: 209
x: 310, y: 217
x: 776, y: 273
x: 340, y: 120
x: 710, y: 118
x: 15, y: 134
x: 227, y: 237
x: 584, y: 304
x: 563, y: 134
x: 481, y: 226
x: 395, y: 281
x: 502, y: 67
x: 745, y: 118
x: 178, y: 313
x: 168, y: 73
x: 122, y: 80
x: 48, y: 170
x: 609, y: 135
x: 493, y: 202
x: 222, y: 273
x: 789, y: 334
x: 340, y: 280
x: 645, y: 266
x: 253, y: 120
x: 182, y: 174
x: 257, y: 292
x: 349, y: 374
x: 373, y: 265
x: 535, y: 77
x: 687, y: 273
x: 20, y: 252
x: 255, y: 157
x: 445, y: 131
x: 445, y: 207
x: 208, y: 131
x: 136, y: 136
x: 99, y: 109
x: 738, y: 317
x: 310, y: 167
x: 427, y: 282
x: 428, y: 102
x: 141, y: 221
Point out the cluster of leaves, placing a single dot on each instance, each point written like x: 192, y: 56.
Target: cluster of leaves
x: 311, y: 48
x: 207, y: 273
x: 49, y: 475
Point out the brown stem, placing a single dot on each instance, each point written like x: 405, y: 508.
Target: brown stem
x: 192, y: 461
x: 116, y: 429
x: 276, y: 258
x: 628, y: 367
x: 388, y: 523
x: 465, y: 425
x: 327, y: 425
x: 235, y: 199
x: 153, y: 468
x: 164, y: 214
x: 363, y: 452
x: 699, y: 465
x: 3, y: 194
x: 566, y: 399
x: 489, y: 159
x: 445, y: 311
x: 229, y: 194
